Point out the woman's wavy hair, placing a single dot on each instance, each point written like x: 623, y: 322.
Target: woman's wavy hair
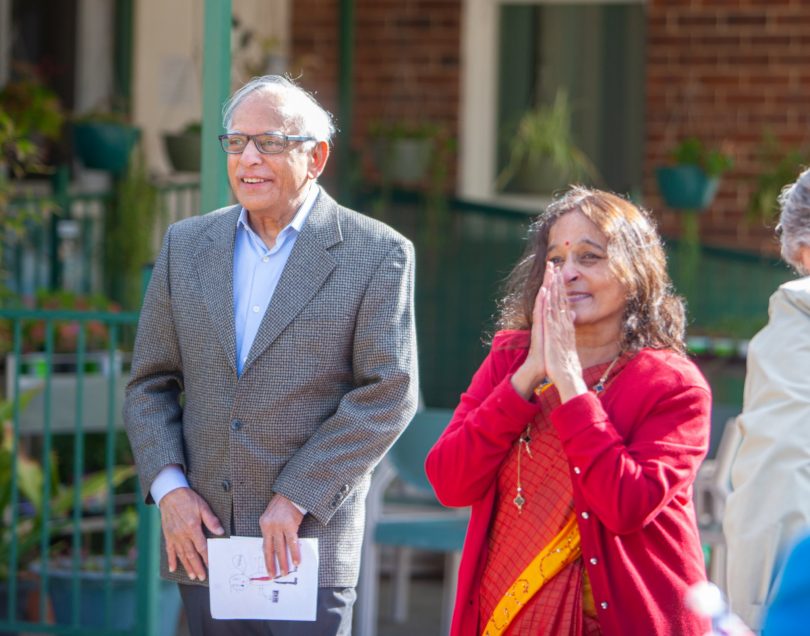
x: 654, y: 314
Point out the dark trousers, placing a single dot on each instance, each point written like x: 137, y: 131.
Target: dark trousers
x: 334, y: 617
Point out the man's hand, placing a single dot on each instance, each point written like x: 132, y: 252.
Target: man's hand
x: 279, y: 524
x: 182, y: 514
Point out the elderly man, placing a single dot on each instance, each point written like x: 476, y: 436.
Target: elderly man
x: 275, y: 363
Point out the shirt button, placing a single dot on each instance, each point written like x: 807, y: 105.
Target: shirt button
x: 226, y: 485
x: 236, y: 425
x: 585, y: 515
x: 577, y: 471
x: 603, y: 605
x: 265, y: 259
x: 255, y: 309
x: 594, y: 561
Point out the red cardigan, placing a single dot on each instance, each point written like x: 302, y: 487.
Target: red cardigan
x: 633, y: 455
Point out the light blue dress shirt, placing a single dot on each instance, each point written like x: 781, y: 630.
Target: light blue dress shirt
x: 256, y: 272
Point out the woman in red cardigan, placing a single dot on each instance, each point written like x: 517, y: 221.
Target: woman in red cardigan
x: 579, y: 438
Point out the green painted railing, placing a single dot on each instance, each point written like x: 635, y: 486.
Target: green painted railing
x: 68, y: 493
x: 465, y: 250
x: 62, y: 245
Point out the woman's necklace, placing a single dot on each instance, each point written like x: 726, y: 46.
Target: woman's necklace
x: 525, y: 439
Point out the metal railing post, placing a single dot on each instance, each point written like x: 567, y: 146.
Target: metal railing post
x: 216, y: 86
x: 148, y: 569
x: 59, y: 181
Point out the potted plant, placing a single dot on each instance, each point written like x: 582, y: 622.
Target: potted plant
x: 29, y: 478
x: 35, y: 110
x: 25, y: 536
x: 543, y: 155
x: 104, y: 141
x: 689, y: 185
x: 184, y: 147
x: 96, y: 574
x: 129, y: 226
x: 403, y: 150
x: 691, y: 182
x: 31, y: 121
x: 63, y: 561
x: 33, y: 369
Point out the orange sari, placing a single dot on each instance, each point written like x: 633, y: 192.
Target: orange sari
x: 563, y: 605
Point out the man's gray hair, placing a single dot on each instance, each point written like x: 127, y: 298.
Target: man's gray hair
x: 794, y: 220
x: 298, y: 108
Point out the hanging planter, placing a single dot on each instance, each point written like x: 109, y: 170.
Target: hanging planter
x: 691, y: 181
x: 104, y: 145
x: 686, y: 187
x: 543, y: 156
x: 404, y: 150
x: 185, y: 148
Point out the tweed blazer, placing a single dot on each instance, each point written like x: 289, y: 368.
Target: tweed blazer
x: 329, y: 383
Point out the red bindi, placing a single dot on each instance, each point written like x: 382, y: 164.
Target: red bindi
x: 567, y: 243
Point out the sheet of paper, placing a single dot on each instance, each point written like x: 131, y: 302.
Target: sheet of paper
x: 241, y: 588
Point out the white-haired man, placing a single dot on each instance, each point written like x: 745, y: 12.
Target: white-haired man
x: 275, y: 363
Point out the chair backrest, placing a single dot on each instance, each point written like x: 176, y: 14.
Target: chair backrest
x: 726, y: 452
x: 409, y: 452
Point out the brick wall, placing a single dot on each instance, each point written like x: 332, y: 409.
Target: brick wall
x: 726, y: 71
x: 406, y: 62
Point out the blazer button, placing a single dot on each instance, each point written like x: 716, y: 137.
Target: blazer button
x: 226, y: 485
x: 236, y: 425
x: 345, y: 490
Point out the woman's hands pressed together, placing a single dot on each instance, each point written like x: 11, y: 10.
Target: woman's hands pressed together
x: 552, y: 352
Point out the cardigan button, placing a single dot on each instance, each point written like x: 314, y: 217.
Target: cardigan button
x: 603, y: 605
x: 594, y: 561
x: 585, y: 515
x: 577, y: 471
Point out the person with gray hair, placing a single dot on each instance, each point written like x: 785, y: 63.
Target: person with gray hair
x: 769, y: 506
x: 274, y: 365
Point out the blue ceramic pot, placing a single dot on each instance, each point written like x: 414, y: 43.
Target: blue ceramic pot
x: 686, y: 187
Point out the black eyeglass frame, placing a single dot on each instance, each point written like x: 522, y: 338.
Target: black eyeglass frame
x: 285, y: 140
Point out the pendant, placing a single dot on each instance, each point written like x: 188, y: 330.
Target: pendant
x: 519, y: 501
x: 525, y: 440
x: 599, y: 387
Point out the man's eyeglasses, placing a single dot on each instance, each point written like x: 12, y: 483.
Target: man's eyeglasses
x: 270, y: 143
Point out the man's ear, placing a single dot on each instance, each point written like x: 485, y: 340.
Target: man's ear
x: 317, y: 159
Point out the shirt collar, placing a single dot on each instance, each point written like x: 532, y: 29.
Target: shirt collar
x: 297, y: 221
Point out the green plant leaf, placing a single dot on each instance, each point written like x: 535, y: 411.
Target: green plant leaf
x: 544, y: 133
x: 780, y: 166
x: 693, y: 152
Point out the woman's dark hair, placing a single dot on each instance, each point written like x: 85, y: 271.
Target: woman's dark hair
x: 653, y: 316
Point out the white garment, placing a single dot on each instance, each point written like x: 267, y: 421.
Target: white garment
x: 769, y: 507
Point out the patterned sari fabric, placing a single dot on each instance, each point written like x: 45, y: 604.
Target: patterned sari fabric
x: 516, y: 537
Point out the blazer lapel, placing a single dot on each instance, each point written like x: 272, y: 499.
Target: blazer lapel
x: 214, y: 264
x: 306, y: 270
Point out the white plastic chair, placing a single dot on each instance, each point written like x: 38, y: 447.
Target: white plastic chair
x: 712, y: 487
